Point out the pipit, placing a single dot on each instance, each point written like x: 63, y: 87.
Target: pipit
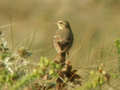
x: 63, y: 39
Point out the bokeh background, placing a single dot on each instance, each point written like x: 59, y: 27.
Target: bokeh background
x: 95, y: 24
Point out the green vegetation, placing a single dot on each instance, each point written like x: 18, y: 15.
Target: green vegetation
x: 117, y: 43
x: 17, y: 72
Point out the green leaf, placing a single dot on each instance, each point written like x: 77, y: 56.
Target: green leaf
x: 46, y: 62
x: 51, y: 72
x: 58, y: 66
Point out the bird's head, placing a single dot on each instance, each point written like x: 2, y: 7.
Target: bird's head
x: 62, y: 24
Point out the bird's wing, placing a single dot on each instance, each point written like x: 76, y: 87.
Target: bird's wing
x: 62, y: 41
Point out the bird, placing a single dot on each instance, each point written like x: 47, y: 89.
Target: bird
x: 63, y: 38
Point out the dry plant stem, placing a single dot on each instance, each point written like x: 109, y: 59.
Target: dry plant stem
x: 32, y: 39
x: 66, y: 74
x: 60, y: 58
x: 11, y: 34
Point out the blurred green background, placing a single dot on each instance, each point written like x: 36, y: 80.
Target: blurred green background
x: 95, y: 24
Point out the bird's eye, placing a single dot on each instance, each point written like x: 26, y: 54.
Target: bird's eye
x: 61, y: 23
